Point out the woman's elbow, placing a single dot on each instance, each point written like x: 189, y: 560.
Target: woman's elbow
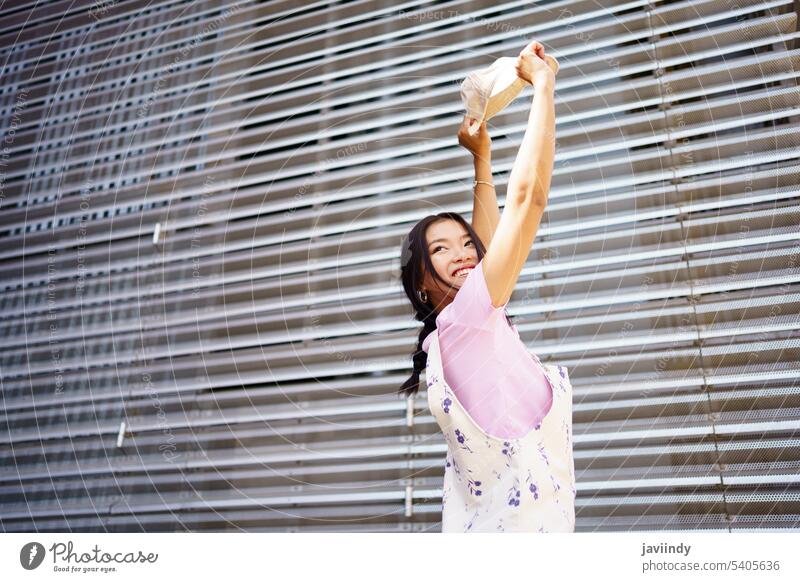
x: 529, y: 195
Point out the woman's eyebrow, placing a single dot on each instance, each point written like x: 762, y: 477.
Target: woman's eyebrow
x: 444, y: 239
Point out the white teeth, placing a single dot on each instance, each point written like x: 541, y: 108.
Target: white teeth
x: 462, y: 272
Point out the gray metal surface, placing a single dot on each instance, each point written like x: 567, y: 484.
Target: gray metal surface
x: 202, y: 326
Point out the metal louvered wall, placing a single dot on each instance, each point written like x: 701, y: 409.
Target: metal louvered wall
x: 201, y: 204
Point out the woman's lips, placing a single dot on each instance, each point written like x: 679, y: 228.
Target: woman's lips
x: 464, y: 269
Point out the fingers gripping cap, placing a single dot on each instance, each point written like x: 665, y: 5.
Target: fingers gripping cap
x: 488, y: 91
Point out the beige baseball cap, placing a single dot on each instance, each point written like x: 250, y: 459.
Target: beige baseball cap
x: 488, y: 91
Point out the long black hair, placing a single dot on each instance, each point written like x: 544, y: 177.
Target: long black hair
x: 414, y: 262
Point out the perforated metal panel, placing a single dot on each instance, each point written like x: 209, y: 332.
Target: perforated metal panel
x: 201, y: 205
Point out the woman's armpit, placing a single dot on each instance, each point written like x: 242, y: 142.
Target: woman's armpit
x: 472, y: 305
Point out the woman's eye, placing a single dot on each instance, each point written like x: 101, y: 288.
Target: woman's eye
x: 471, y: 242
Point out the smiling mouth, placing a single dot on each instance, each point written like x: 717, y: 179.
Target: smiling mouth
x: 463, y: 272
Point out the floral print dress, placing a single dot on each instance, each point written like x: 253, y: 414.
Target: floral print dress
x: 494, y: 484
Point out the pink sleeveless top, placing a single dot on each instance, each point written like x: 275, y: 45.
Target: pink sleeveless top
x: 500, y: 384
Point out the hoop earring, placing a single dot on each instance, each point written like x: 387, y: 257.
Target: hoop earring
x: 421, y: 298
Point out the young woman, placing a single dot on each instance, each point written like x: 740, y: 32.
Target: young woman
x: 506, y: 418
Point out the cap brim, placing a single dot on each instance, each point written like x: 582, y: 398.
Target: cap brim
x: 499, y: 81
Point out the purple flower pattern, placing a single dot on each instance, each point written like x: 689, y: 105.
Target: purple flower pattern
x: 532, y: 486
x: 456, y: 468
x: 462, y: 440
x: 446, y: 405
x: 543, y: 453
x: 475, y: 505
x: 472, y: 520
x: 556, y: 485
x: 473, y: 487
x: 508, y: 450
x: 445, y: 495
x: 513, y: 496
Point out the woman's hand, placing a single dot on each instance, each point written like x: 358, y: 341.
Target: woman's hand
x: 534, y: 66
x: 480, y: 144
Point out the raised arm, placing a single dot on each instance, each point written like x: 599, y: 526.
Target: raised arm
x: 485, y: 210
x: 529, y: 181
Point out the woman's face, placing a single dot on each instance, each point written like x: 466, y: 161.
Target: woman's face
x: 451, y: 250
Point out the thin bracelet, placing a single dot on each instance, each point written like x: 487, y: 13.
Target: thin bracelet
x: 476, y: 182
